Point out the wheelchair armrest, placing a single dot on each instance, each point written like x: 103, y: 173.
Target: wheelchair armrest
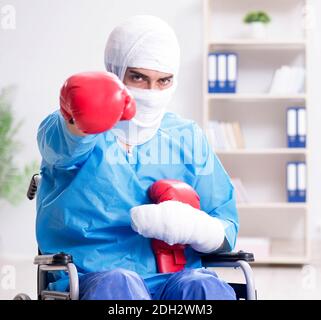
x: 227, y: 256
x: 56, y: 262
x: 61, y: 259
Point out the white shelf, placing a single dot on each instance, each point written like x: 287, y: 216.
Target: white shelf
x: 289, y: 260
x: 283, y: 252
x: 272, y: 206
x: 254, y: 97
x: 265, y: 152
x: 259, y: 44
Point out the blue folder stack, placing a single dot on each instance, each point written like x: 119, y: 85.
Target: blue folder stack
x: 222, y: 72
x: 296, y: 181
x: 296, y: 127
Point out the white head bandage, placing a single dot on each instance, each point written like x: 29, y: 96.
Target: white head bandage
x: 150, y: 43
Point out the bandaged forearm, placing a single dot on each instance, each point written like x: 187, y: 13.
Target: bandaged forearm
x: 177, y: 222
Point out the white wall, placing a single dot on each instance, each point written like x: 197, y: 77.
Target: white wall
x: 54, y: 39
x: 314, y: 116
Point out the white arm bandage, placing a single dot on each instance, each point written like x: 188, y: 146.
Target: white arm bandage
x: 177, y: 222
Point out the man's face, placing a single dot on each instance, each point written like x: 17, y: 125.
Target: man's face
x: 147, y: 79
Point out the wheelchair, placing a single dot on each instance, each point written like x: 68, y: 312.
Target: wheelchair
x: 47, y: 264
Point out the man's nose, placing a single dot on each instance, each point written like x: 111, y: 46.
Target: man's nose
x: 152, y: 85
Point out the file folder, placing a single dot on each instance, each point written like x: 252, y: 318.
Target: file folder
x: 291, y: 181
x: 301, y: 182
x: 212, y: 73
x: 231, y: 72
x: 301, y: 134
x: 222, y: 72
x: 292, y: 127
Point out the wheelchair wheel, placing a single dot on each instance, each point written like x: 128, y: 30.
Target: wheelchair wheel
x: 21, y: 296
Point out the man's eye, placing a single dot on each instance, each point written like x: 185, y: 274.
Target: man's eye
x: 165, y: 82
x: 136, y: 78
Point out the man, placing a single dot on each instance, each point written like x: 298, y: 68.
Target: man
x: 92, y: 200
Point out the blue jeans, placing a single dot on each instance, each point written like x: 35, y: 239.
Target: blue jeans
x: 122, y: 284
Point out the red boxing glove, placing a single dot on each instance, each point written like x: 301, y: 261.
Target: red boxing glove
x: 96, y: 101
x: 171, y: 258
x: 170, y: 189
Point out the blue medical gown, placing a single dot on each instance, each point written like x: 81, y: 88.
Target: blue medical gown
x: 90, y: 183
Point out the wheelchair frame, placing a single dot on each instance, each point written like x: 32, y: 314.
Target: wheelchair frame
x: 64, y: 262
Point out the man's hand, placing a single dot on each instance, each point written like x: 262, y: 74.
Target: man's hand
x: 177, y: 222
x: 95, y: 102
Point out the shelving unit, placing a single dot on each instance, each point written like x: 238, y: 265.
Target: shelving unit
x: 261, y: 166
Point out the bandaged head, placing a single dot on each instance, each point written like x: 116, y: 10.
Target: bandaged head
x: 150, y: 43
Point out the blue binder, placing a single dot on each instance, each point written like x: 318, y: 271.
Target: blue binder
x: 301, y: 124
x: 222, y: 72
x: 232, y: 72
x: 301, y: 182
x: 291, y: 181
x: 212, y: 73
x: 292, y: 127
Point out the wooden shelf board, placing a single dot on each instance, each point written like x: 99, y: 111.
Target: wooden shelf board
x: 254, y: 97
x: 282, y: 260
x: 272, y: 205
x: 260, y: 44
x: 267, y: 151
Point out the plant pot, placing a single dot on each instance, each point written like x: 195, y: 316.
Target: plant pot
x: 258, y: 30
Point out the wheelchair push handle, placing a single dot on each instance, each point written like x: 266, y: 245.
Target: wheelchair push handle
x: 32, y: 190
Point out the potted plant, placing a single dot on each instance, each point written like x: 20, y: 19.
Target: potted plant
x: 13, y: 181
x: 258, y: 21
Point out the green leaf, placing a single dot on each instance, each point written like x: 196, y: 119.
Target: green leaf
x: 13, y: 181
x: 257, y: 16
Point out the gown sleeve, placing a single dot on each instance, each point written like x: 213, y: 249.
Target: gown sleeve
x: 215, y: 189
x: 59, y: 147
